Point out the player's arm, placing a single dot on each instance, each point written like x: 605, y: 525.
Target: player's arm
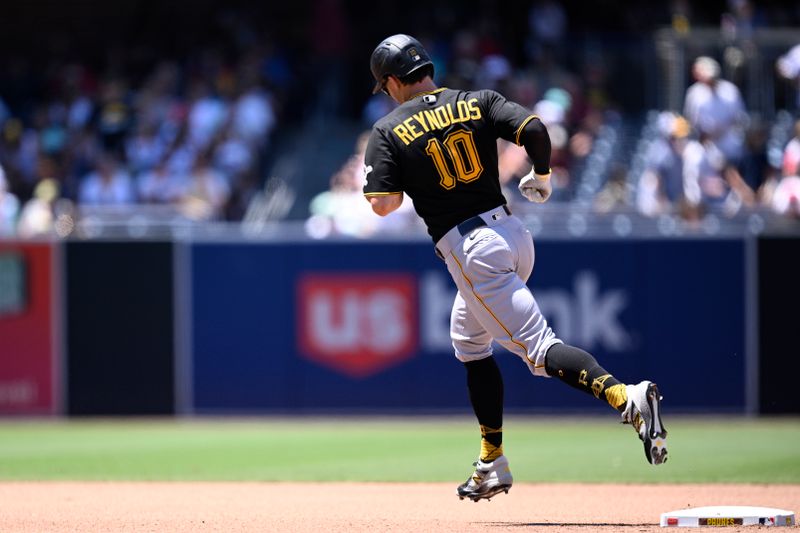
x: 534, y: 137
x: 382, y: 187
x: 384, y: 204
x: 514, y: 123
x: 536, y: 186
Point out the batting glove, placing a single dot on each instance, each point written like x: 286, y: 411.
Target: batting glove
x: 536, y: 187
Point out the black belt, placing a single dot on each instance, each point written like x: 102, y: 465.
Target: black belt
x: 476, y: 222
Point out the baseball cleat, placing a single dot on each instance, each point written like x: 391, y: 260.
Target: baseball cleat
x: 487, y: 480
x: 643, y: 412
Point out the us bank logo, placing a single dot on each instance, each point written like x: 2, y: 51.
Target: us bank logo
x: 357, y: 324
x: 360, y: 325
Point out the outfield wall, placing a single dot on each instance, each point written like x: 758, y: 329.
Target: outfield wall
x: 30, y: 343
x: 365, y: 325
x: 120, y: 330
x: 245, y: 326
x: 778, y: 343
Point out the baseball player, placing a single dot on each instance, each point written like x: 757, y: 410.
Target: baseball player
x: 439, y: 146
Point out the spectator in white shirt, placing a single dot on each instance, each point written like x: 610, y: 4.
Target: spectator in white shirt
x: 710, y: 182
x: 108, y: 184
x: 661, y: 186
x: 38, y: 214
x: 160, y: 186
x: 788, y: 67
x: 715, y: 109
x: 253, y: 116
x: 207, y: 114
x: 9, y: 207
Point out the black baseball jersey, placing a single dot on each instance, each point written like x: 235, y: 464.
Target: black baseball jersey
x: 440, y: 148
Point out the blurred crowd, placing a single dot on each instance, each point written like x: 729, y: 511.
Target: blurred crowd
x: 711, y: 157
x: 708, y: 157
x: 187, y: 138
x: 191, y: 128
x: 184, y: 138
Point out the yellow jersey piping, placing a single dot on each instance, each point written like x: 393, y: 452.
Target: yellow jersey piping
x: 382, y: 193
x: 472, y: 287
x: 423, y: 93
x: 522, y: 127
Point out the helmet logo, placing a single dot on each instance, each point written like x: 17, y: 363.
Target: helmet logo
x: 414, y: 54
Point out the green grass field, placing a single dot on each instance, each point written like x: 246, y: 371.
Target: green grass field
x: 540, y: 449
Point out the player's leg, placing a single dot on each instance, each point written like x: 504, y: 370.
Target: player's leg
x: 485, y: 385
x: 581, y: 370
x: 639, y: 404
x: 472, y: 345
x: 489, y: 268
x: 491, y: 275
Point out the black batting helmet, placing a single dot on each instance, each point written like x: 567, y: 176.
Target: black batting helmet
x: 398, y: 55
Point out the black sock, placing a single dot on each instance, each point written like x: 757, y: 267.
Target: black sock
x: 485, y: 384
x: 579, y: 369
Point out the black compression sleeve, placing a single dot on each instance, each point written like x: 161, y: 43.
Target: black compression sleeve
x: 485, y: 385
x: 536, y: 140
x: 578, y: 369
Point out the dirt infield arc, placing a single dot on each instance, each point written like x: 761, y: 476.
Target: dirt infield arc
x: 354, y: 507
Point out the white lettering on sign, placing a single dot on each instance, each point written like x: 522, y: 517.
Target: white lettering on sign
x: 334, y: 322
x: 587, y: 317
x: 386, y: 313
x: 584, y: 316
x: 357, y: 325
x: 376, y: 320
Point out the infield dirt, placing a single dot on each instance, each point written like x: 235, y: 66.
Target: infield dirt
x: 354, y: 507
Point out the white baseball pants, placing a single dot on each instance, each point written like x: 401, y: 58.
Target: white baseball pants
x: 490, y: 266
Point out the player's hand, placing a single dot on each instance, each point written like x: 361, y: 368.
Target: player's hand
x: 536, y: 187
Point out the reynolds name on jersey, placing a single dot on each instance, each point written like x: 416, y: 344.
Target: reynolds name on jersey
x: 437, y: 118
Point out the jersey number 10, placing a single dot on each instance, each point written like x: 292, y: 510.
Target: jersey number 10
x: 460, y: 146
